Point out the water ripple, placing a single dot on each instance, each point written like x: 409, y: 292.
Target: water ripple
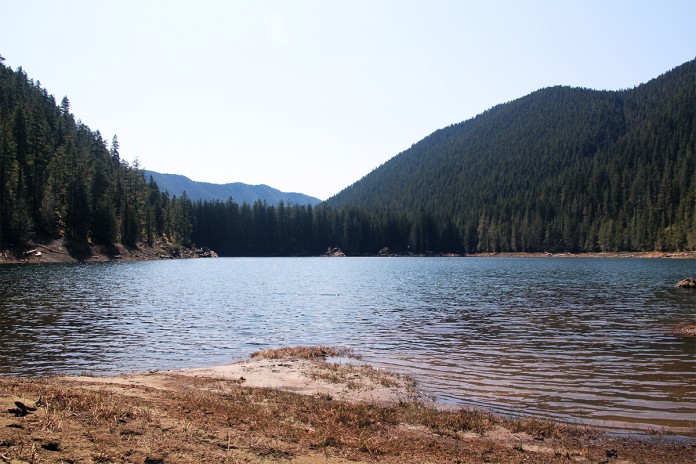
x: 578, y: 339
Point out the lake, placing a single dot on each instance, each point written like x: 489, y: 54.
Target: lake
x: 578, y: 339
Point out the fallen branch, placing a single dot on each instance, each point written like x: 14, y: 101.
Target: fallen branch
x: 51, y: 250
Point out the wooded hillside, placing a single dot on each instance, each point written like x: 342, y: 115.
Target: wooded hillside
x: 562, y: 169
x: 58, y: 178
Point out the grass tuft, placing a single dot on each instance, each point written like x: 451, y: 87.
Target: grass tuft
x: 304, y: 352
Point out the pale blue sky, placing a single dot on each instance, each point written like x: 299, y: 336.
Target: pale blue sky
x: 310, y: 96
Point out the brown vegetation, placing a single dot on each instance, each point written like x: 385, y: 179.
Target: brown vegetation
x: 304, y: 352
x: 60, y: 251
x: 687, y: 330
x: 177, y: 418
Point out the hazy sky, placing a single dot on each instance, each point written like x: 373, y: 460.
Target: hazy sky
x: 309, y: 96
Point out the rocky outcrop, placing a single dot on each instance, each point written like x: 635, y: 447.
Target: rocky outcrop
x: 334, y: 253
x: 689, y: 282
x: 384, y: 252
x: 60, y: 251
x: 192, y: 253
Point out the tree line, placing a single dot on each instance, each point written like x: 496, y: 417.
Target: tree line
x: 261, y: 229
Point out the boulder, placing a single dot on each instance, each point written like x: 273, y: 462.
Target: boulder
x: 334, y: 252
x: 689, y: 282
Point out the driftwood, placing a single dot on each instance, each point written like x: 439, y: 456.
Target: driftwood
x: 22, y: 409
x: 51, y: 250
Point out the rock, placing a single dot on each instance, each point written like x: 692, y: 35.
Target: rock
x: 686, y: 330
x: 51, y: 446
x: 689, y: 282
x: 334, y: 252
x: 21, y: 410
x: 205, y: 252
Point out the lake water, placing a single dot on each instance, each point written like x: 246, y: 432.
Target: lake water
x: 584, y: 340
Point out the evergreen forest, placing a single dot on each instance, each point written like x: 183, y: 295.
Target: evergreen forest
x: 59, y: 178
x: 562, y: 169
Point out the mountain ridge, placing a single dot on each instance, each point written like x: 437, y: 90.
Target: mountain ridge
x: 240, y: 192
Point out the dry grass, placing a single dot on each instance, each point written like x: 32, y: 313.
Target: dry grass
x: 304, y: 352
x: 354, y: 377
x: 212, y: 420
x: 205, y: 419
x: 544, y: 428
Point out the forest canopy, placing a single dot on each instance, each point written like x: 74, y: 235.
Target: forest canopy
x: 59, y: 178
x: 562, y: 169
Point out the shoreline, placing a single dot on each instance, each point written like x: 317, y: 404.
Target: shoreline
x: 346, y: 378
x: 294, y: 406
x: 57, y: 251
x: 542, y: 254
x: 603, y: 254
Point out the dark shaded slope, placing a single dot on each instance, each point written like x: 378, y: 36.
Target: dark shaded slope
x: 560, y: 169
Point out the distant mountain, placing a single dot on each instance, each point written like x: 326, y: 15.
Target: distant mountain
x: 176, y: 184
x: 560, y: 169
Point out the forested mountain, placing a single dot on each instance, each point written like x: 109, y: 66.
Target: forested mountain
x: 58, y: 178
x: 563, y: 168
x: 177, y: 184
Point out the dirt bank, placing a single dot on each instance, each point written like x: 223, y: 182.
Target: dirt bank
x: 253, y: 412
x: 59, y: 251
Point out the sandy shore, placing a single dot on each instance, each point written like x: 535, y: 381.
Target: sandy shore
x: 284, y: 408
x: 344, y: 382
x: 308, y: 377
